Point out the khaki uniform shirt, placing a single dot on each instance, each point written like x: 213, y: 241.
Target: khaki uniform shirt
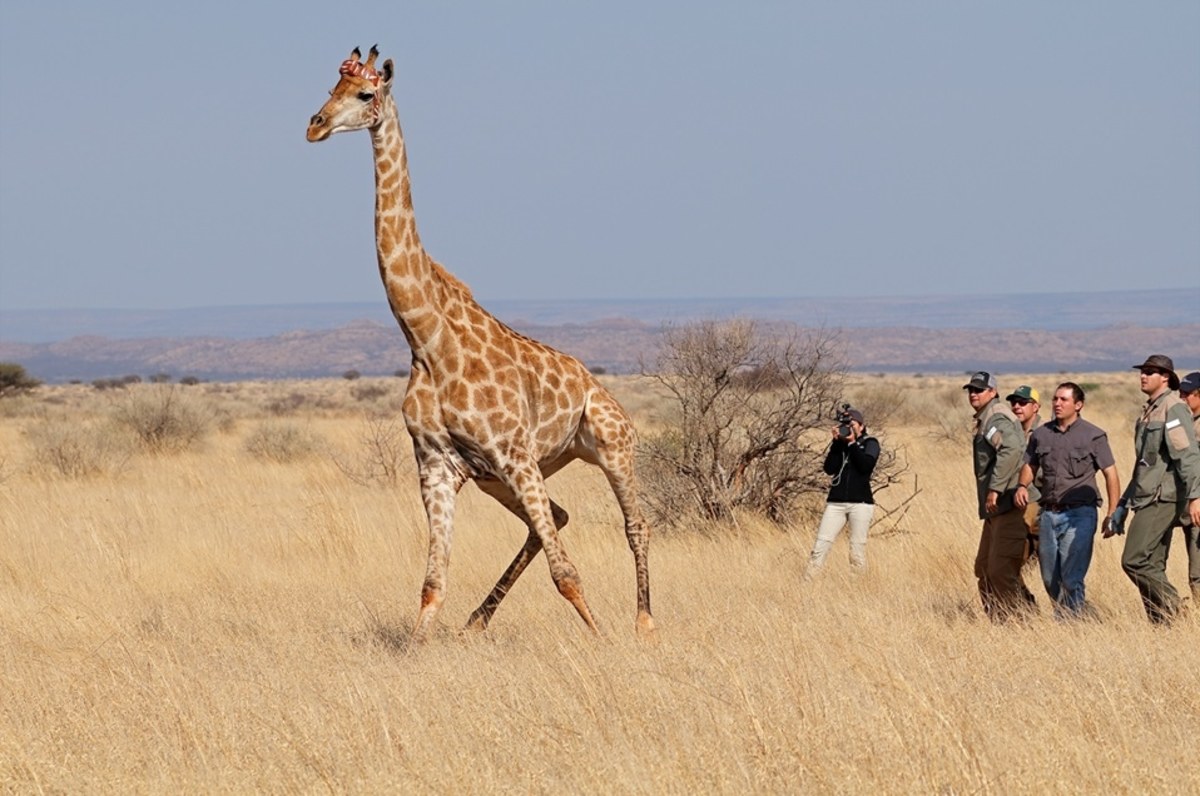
x: 998, y: 448
x: 1034, y: 490
x: 1168, y: 459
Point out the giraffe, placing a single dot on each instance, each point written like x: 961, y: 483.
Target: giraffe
x: 483, y: 402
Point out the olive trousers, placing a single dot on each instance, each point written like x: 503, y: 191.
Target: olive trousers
x: 1147, y: 542
x: 998, y: 566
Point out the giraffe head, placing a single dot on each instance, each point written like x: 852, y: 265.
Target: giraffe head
x: 356, y: 102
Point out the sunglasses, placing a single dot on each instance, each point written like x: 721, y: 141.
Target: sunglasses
x: 975, y: 390
x: 1019, y: 402
x: 1152, y: 372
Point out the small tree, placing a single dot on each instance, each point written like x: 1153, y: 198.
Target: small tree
x: 748, y: 431
x: 15, y: 381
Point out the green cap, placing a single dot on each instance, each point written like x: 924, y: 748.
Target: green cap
x: 1025, y: 393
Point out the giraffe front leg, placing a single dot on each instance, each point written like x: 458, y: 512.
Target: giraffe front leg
x: 533, y: 544
x: 526, y: 482
x: 440, y: 483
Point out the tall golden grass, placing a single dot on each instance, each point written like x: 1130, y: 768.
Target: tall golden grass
x: 218, y: 621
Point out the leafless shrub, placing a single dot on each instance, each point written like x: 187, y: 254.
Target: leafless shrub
x: 382, y: 453
x: 286, y: 404
x: 77, y: 449
x: 747, y: 430
x: 282, y: 442
x: 164, y: 419
x: 368, y: 392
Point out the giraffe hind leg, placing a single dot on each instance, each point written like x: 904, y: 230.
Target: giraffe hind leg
x: 614, y: 441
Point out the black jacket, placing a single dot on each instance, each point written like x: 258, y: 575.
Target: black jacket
x: 851, y: 466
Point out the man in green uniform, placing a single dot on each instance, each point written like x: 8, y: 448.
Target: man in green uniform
x: 1165, y: 486
x: 998, y: 447
x: 1189, y: 391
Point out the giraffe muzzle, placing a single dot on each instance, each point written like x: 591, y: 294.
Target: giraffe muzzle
x: 318, y: 130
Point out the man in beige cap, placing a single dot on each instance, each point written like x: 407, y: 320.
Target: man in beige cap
x: 1164, y: 487
x: 1026, y: 403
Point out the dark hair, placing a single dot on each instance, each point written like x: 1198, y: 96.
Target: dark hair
x: 1076, y: 390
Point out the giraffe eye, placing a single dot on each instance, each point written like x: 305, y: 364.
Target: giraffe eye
x: 366, y: 96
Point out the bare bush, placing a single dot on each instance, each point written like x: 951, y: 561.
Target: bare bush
x: 77, y: 450
x: 748, y: 430
x: 368, y: 392
x: 282, y: 442
x: 164, y: 419
x: 382, y: 453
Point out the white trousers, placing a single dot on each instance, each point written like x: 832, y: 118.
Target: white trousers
x: 832, y: 521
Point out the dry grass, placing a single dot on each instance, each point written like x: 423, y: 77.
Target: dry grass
x: 212, y: 622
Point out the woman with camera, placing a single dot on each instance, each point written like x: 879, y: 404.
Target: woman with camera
x: 851, y: 458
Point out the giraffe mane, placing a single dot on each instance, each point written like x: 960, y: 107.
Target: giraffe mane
x: 452, y: 281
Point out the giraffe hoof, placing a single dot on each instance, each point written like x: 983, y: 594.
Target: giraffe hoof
x: 645, y: 628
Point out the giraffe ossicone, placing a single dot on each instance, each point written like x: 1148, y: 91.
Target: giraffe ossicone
x: 483, y: 402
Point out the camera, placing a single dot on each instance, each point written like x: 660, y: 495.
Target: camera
x: 844, y: 417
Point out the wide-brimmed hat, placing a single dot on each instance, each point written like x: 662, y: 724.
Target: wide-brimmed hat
x: 1190, y: 382
x: 981, y: 381
x: 1161, y: 362
x: 1024, y: 393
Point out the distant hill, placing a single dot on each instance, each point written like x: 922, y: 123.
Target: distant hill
x: 1034, y: 333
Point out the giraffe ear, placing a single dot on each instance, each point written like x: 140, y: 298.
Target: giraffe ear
x: 387, y: 72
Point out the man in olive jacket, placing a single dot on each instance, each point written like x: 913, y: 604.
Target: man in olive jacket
x: 1164, y: 489
x: 998, y: 447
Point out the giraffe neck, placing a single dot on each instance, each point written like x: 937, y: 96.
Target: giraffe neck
x: 415, y: 288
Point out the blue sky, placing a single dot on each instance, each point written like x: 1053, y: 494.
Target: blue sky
x: 152, y: 155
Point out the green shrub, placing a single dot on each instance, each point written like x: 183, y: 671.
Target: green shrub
x: 14, y: 380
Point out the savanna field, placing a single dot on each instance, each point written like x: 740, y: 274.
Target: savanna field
x: 225, y: 610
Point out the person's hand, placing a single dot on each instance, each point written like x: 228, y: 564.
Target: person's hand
x: 1107, y: 528
x: 1114, y: 524
x: 1021, y: 496
x: 1194, y: 512
x: 993, y: 498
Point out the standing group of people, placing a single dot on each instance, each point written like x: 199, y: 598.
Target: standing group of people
x: 1025, y: 470
x: 1037, y: 493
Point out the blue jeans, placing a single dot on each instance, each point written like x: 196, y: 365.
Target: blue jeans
x: 1064, y: 553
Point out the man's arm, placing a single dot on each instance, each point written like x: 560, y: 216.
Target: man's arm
x: 1021, y: 498
x: 1009, y: 457
x: 1112, y: 485
x: 1182, y: 448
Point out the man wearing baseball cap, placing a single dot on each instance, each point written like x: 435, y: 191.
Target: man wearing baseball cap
x: 1189, y: 391
x: 1026, y: 403
x: 1165, y: 485
x: 998, y: 448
